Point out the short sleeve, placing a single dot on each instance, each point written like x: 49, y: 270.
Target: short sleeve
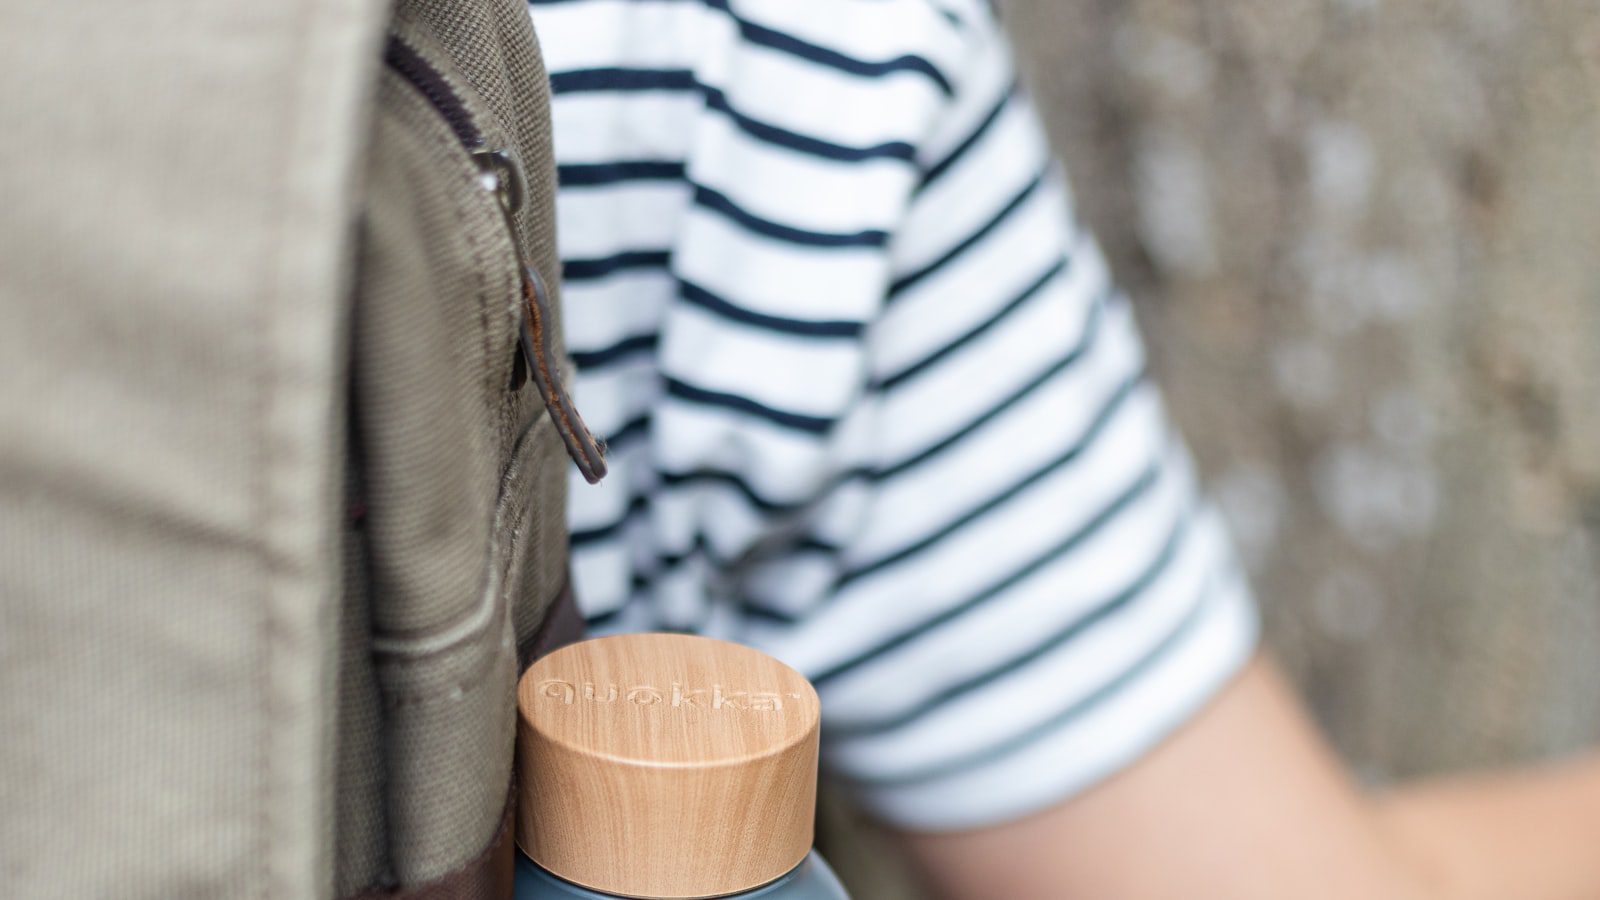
x: 899, y: 432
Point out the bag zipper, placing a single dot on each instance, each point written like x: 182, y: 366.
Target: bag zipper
x: 500, y: 173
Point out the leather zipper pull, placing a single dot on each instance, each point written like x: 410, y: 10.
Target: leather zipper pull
x: 536, y: 340
x: 501, y: 175
x: 587, y: 452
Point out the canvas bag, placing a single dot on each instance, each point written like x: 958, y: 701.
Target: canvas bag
x: 281, y: 444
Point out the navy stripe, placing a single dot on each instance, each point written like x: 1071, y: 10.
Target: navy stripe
x: 590, y: 269
x: 582, y: 537
x: 623, y: 349
x: 1072, y: 712
x: 701, y: 547
x: 638, y: 505
x: 1145, y: 482
x: 634, y: 80
x: 1086, y: 341
x: 613, y: 78
x: 905, y: 283
x: 705, y: 397
x: 822, y: 328
x: 805, y: 143
x: 1102, y: 419
x: 815, y: 545
x: 679, y: 479
x: 601, y: 620
x: 669, y: 561
x: 592, y: 174
x: 640, y: 502
x: 670, y: 479
x: 1098, y: 424
x: 954, y: 156
x: 1141, y: 583
x: 768, y: 505
x: 776, y: 615
x: 642, y: 583
x: 833, y: 59
x: 952, y: 18
x: 633, y: 428
x: 1055, y: 270
x: 823, y: 56
x: 728, y: 479
x: 772, y: 134
x: 637, y: 584
x: 768, y: 614
x: 707, y: 198
x: 772, y: 614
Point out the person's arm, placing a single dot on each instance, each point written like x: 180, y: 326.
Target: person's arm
x: 1247, y: 802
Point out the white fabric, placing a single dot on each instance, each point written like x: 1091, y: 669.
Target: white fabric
x: 874, y: 405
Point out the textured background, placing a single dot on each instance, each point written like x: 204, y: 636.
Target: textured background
x: 1364, y: 238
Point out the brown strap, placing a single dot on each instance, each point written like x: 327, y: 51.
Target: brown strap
x: 489, y: 875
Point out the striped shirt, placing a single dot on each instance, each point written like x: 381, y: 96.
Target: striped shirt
x: 873, y: 403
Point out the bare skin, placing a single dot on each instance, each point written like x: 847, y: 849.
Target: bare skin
x: 1248, y: 803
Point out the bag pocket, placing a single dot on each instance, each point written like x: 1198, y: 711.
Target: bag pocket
x: 441, y: 406
x: 531, y: 531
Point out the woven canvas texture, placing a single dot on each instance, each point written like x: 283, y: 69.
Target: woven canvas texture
x: 272, y: 523
x: 493, y: 49
x: 459, y: 480
x: 178, y: 184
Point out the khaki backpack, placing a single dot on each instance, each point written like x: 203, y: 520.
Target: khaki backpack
x: 282, y: 421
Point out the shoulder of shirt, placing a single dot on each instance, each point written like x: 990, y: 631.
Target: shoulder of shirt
x: 947, y: 34
x: 943, y: 27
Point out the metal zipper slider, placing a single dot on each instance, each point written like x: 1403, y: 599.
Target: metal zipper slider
x: 536, y: 340
x: 501, y: 176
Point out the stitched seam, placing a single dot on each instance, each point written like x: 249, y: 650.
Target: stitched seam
x: 482, y: 263
x: 475, y: 246
x: 267, y: 794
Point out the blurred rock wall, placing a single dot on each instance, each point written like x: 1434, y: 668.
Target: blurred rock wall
x: 1365, y: 240
x: 1364, y: 237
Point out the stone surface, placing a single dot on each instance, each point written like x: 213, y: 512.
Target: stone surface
x: 1364, y: 238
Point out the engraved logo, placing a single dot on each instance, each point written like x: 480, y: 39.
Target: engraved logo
x: 678, y: 697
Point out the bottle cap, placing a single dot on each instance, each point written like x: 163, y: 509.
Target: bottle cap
x: 665, y: 765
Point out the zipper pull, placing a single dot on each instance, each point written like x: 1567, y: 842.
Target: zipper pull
x: 501, y: 175
x: 586, y: 451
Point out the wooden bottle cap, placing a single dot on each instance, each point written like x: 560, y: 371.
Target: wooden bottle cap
x: 665, y: 765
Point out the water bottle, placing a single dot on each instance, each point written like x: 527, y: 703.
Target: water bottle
x: 667, y: 766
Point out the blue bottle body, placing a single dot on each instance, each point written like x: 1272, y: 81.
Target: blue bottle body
x: 811, y: 880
